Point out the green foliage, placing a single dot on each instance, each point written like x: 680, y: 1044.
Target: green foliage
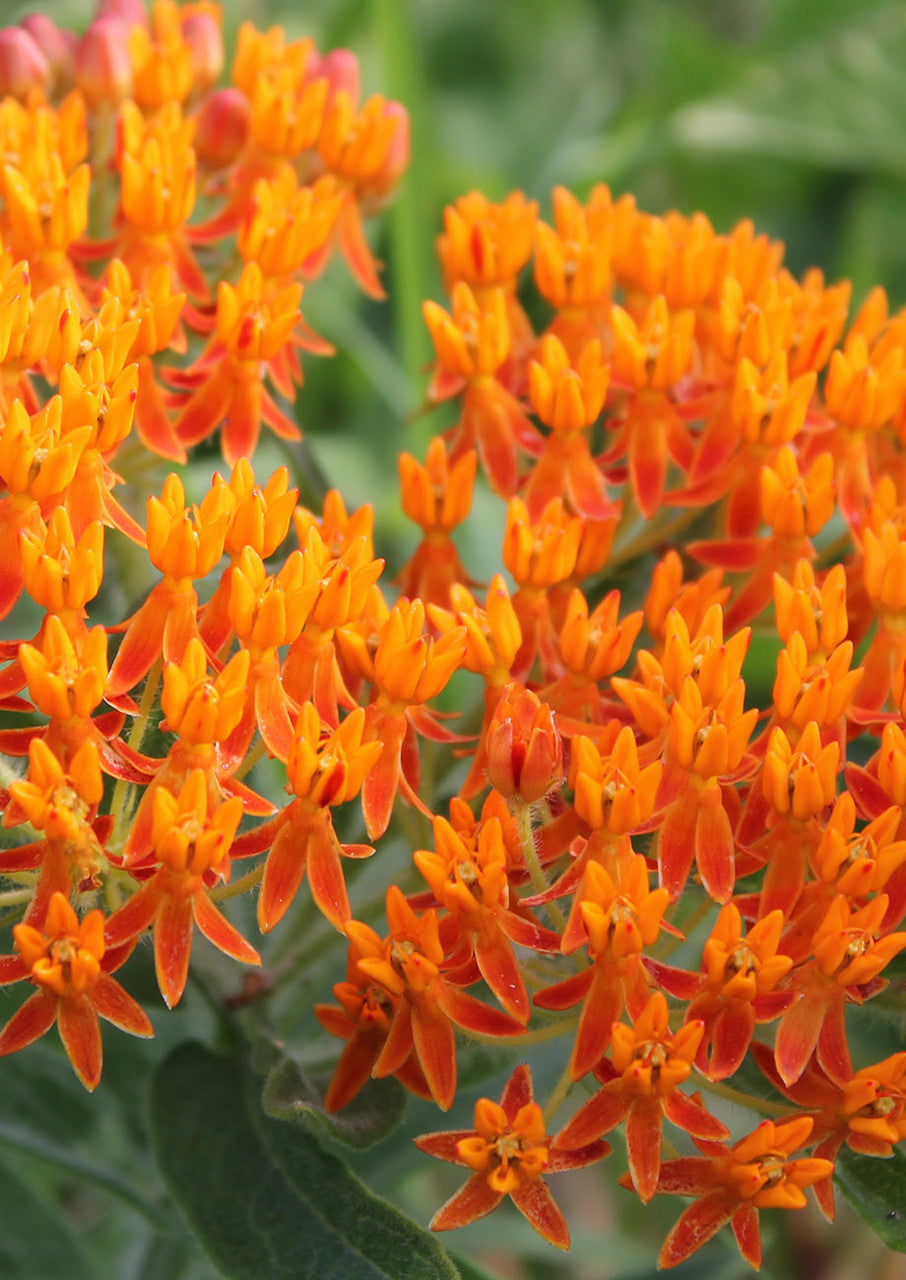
x: 876, y: 1189
x: 264, y: 1198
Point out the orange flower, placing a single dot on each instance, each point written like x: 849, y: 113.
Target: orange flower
x: 648, y: 360
x: 485, y: 244
x: 620, y: 919
x: 184, y: 545
x: 849, y: 952
x: 66, y: 961
x: 523, y: 747
x: 572, y: 265
x: 641, y: 1086
x: 362, y: 1017
x: 732, y: 1183
x: 406, y: 669
x: 62, y: 802
x: 468, y: 874
x: 437, y: 497
x: 161, y: 58
x: 254, y: 333
x: 735, y: 989
x: 472, y: 346
x: 157, y: 195
x: 285, y: 226
x: 407, y: 964
x: 191, y: 842
x: 367, y: 151
x: 323, y: 770
x: 508, y: 1151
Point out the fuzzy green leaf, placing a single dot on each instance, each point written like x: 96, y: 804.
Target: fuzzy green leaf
x: 292, y: 1094
x: 877, y: 1190
x: 263, y: 1197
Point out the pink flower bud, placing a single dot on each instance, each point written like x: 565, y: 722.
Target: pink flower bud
x: 56, y: 44
x: 22, y: 64
x: 102, y: 66
x: 201, y: 32
x: 131, y: 13
x: 340, y: 68
x: 221, y: 128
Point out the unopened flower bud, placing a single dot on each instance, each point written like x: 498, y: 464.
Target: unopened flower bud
x: 201, y: 32
x: 524, y: 747
x: 131, y: 13
x: 102, y: 66
x: 221, y: 128
x: 22, y: 64
x: 56, y: 44
x: 340, y: 68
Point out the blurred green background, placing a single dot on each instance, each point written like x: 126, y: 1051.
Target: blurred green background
x: 788, y: 112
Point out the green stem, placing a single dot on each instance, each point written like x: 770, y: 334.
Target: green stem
x: 11, y: 897
x: 558, y: 1093
x: 21, y: 1140
x: 251, y: 759
x: 522, y: 812
x: 652, y: 533
x: 118, y: 807
x: 761, y: 1105
x: 540, y: 1035
x: 411, y: 250
x: 223, y: 892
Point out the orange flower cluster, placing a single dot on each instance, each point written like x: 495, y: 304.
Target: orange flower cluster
x: 633, y: 785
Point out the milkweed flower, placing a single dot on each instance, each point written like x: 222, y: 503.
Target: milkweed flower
x: 68, y: 962
x: 509, y: 1152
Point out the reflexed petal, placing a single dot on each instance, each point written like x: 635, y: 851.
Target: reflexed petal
x: 81, y: 1038
x: 325, y: 872
x: 117, y: 1006
x: 500, y: 970
x: 599, y: 1115
x: 283, y: 874
x: 696, y: 1226
x: 517, y: 1091
x: 217, y: 929
x: 443, y: 1145
x: 644, y: 1125
x: 535, y: 1202
x: 748, y: 1234
x: 688, y: 1113
x: 134, y: 916
x: 474, y: 1200
x: 475, y: 1015
x: 28, y: 1023
x: 172, y: 946
x: 798, y: 1034
x: 436, y: 1049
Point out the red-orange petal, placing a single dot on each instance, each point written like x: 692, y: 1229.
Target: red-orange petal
x: 217, y: 929
x: 81, y: 1036
x: 172, y: 946
x: 535, y: 1202
x: 29, y: 1022
x: 116, y: 1005
x: 472, y: 1201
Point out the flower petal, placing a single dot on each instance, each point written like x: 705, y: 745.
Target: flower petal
x: 81, y: 1036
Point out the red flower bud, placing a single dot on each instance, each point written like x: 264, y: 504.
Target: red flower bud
x: 22, y: 64
x: 222, y: 128
x: 524, y: 747
x: 102, y: 66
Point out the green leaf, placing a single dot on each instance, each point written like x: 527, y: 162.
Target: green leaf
x: 41, y: 1244
x: 292, y: 1094
x: 877, y: 1190
x: 263, y: 1197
